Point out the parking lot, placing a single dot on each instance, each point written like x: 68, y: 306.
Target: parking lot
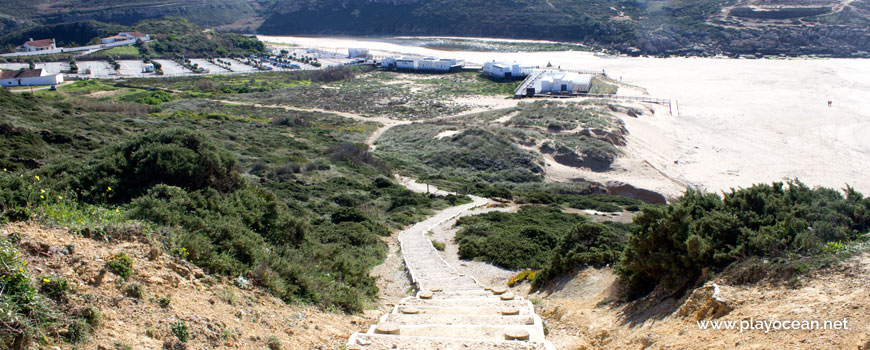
x: 238, y: 66
x: 134, y: 68
x: 208, y: 66
x: 48, y: 67
x: 172, y: 68
x: 96, y: 69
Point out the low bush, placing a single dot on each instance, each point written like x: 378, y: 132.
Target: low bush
x: 179, y: 329
x: 26, y: 315
x: 439, y: 245
x: 121, y: 265
x: 672, y: 245
x: 586, y: 244
x: 514, y: 240
x: 54, y: 288
x: 175, y: 157
x: 135, y: 291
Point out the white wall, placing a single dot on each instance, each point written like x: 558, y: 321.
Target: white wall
x: 43, y: 80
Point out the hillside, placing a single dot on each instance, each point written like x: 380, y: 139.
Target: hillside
x: 204, y: 12
x: 654, y: 27
x: 96, y: 309
x: 642, y: 27
x: 582, y: 311
x: 171, y: 37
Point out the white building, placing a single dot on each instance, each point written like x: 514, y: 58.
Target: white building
x: 407, y: 63
x: 29, y: 77
x: 355, y: 52
x: 37, y: 45
x: 505, y: 70
x: 428, y: 64
x: 125, y: 36
x: 148, y: 68
x: 563, y: 82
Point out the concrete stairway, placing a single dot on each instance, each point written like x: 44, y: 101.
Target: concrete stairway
x: 451, y: 310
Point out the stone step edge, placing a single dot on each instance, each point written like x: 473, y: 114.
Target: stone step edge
x: 471, y: 341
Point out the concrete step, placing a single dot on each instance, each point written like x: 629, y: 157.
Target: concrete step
x: 466, y: 302
x: 452, y: 319
x: 360, y: 341
x: 465, y: 294
x: 471, y: 310
x: 463, y: 331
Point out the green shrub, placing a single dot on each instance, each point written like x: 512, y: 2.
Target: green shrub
x: 587, y: 244
x: 54, y: 287
x: 135, y: 290
x: 93, y: 316
x: 121, y: 265
x: 26, y: 316
x: 164, y: 301
x: 179, y: 329
x: 439, y: 245
x: 514, y: 240
x: 78, y: 331
x: 673, y: 244
x: 174, y: 157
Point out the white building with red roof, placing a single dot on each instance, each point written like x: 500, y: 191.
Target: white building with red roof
x: 28, y: 77
x: 37, y: 45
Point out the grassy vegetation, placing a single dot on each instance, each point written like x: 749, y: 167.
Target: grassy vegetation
x: 32, y: 315
x: 289, y: 200
x: 791, y: 227
x: 491, y: 159
x: 781, y: 222
x: 171, y: 37
x: 539, y: 237
x: 127, y: 52
x: 600, y: 86
x: 174, y: 37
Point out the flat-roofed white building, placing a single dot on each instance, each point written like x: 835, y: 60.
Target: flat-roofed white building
x: 563, y: 82
x: 427, y: 64
x: 29, y: 77
x: 407, y: 63
x: 506, y: 70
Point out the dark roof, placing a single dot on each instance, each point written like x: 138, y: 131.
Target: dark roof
x: 40, y: 43
x: 21, y: 73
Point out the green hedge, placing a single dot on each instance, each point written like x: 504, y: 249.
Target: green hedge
x: 673, y: 244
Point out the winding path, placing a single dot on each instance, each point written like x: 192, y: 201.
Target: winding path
x: 451, y: 310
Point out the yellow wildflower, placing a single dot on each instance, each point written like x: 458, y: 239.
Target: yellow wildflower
x: 46, y: 280
x: 41, y: 197
x: 109, y: 189
x: 59, y: 197
x: 41, y: 191
x: 37, y: 177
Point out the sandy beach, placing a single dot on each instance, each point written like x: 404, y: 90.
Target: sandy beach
x: 741, y: 121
